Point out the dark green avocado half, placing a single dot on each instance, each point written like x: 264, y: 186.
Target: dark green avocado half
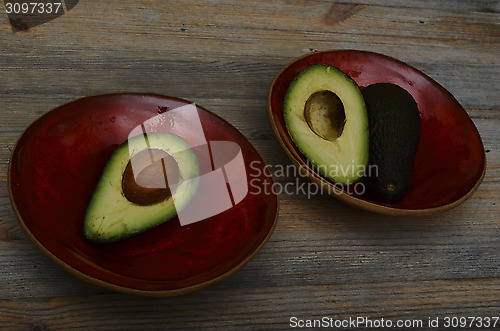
x: 394, y: 122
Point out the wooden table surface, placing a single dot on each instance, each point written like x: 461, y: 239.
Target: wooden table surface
x: 324, y: 259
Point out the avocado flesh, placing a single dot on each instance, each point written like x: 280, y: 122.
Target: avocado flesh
x: 111, y: 216
x: 394, y: 122
x: 325, y: 115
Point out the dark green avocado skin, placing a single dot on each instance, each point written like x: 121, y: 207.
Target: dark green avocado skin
x: 394, y: 133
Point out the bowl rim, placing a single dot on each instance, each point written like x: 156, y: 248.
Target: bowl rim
x: 342, y: 196
x: 119, y: 288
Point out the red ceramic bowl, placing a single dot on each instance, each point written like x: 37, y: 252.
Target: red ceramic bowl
x: 450, y: 160
x: 56, y: 164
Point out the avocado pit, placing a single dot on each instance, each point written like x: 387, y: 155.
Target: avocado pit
x: 324, y: 113
x: 145, y: 180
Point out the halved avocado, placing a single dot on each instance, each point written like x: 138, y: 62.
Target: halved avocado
x: 325, y: 115
x: 138, y: 187
x: 394, y: 121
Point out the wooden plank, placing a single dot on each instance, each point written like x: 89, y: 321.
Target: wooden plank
x: 250, y: 308
x: 196, y: 27
x: 310, y: 240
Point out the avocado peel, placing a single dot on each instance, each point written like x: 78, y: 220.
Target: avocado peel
x: 394, y: 122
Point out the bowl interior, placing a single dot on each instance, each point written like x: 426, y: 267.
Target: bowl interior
x: 450, y: 159
x: 57, y: 163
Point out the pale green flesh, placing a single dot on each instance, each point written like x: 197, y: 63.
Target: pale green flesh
x: 344, y: 159
x: 111, y: 217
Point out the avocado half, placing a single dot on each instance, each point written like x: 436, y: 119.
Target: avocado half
x: 139, y: 185
x: 325, y: 115
x: 394, y: 121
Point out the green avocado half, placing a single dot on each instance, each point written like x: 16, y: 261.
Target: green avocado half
x: 138, y: 187
x: 394, y: 121
x: 325, y: 115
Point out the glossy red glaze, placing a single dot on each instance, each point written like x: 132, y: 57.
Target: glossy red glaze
x: 56, y: 165
x: 450, y: 160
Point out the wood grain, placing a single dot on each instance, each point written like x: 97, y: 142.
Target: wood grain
x: 324, y: 258
x: 229, y: 307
